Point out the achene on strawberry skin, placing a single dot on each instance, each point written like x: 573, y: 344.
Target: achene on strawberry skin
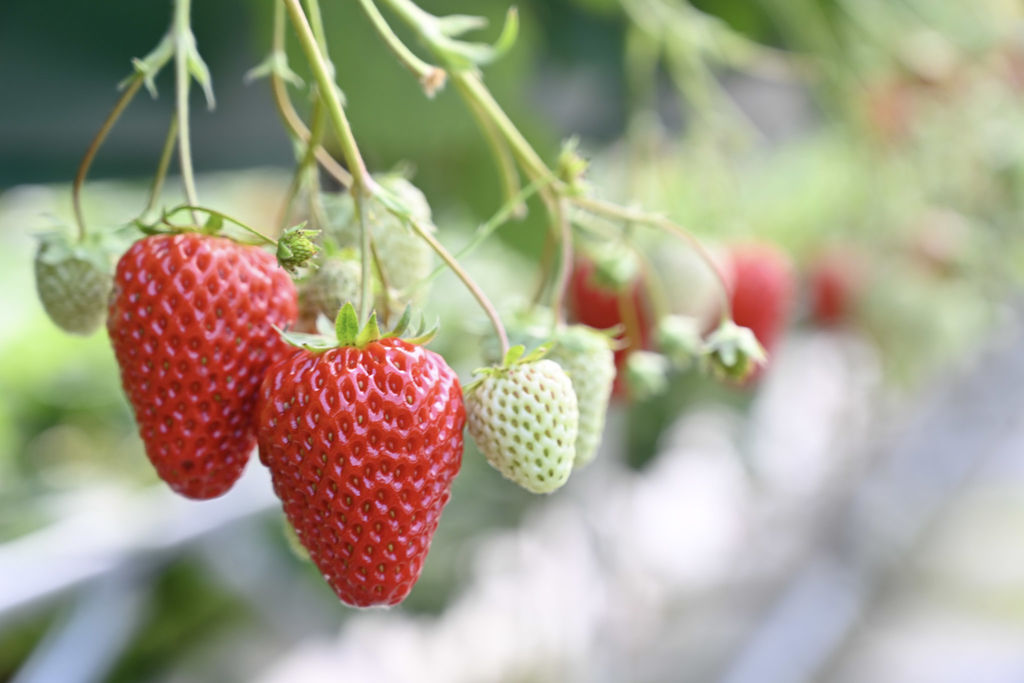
x: 362, y: 446
x: 191, y: 320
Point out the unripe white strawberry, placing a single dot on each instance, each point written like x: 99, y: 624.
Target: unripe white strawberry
x: 405, y: 258
x: 73, y: 282
x: 586, y: 356
x: 327, y: 289
x: 524, y: 418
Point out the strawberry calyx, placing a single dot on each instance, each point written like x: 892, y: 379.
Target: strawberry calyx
x: 347, y: 332
x: 733, y: 352
x: 516, y: 355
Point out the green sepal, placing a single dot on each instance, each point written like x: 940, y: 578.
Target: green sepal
x: 454, y: 25
x: 513, y: 355
x: 346, y: 326
x: 317, y: 343
x: 459, y: 54
x: 369, y: 333
x: 733, y: 352
x: 213, y: 225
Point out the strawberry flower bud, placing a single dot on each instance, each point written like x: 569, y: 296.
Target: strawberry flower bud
x: 733, y: 352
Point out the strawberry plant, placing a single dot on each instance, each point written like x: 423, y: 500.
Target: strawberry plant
x: 362, y: 432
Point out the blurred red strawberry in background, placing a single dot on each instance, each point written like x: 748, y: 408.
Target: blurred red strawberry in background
x: 763, y: 290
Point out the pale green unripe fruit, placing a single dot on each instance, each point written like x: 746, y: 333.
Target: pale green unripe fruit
x: 586, y: 356
x: 524, y: 419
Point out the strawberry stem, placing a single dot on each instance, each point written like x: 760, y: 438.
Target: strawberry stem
x: 286, y: 110
x: 472, y: 286
x: 131, y: 88
x: 161, y: 168
x: 183, y: 41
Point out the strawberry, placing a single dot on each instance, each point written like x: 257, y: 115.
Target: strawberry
x: 362, y: 441
x: 327, y: 289
x: 191, y: 321
x: 73, y: 282
x: 524, y: 418
x: 586, y: 356
x: 835, y: 280
x: 600, y: 305
x: 763, y: 288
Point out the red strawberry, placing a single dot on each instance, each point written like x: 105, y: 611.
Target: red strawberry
x: 763, y: 288
x: 835, y: 281
x: 601, y: 307
x: 363, y: 442
x: 191, y: 321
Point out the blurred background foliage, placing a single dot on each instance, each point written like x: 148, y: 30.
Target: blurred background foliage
x: 891, y: 131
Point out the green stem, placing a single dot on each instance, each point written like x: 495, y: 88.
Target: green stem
x: 507, y: 170
x: 564, y: 271
x: 316, y: 23
x: 322, y: 74
x: 366, y: 257
x: 431, y: 77
x: 472, y: 286
x: 213, y: 212
x: 83, y: 168
x: 161, y: 170
x: 616, y: 212
x: 307, y: 160
x: 286, y: 110
x: 182, y: 78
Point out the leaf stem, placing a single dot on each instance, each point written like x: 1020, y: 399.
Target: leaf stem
x: 133, y: 85
x: 470, y: 284
x: 161, y: 169
x: 431, y: 77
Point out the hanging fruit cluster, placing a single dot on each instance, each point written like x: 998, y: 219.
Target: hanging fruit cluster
x: 224, y: 344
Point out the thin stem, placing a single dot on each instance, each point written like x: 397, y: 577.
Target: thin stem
x: 431, y: 77
x: 322, y: 74
x: 366, y: 258
x: 502, y: 155
x: 83, y: 168
x: 379, y: 267
x: 161, y: 170
x: 165, y: 219
x: 316, y: 23
x: 561, y: 283
x: 472, y: 286
x: 286, y: 110
x: 307, y: 160
x: 182, y: 78
x: 614, y: 211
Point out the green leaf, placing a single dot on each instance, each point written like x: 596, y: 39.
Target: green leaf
x: 347, y: 325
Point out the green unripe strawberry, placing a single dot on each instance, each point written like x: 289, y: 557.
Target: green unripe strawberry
x: 405, y: 258
x: 73, y: 282
x: 524, y: 418
x: 327, y: 289
x: 586, y: 356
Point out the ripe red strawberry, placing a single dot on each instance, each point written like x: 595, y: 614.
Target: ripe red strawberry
x: 363, y: 442
x: 191, y: 321
x: 599, y: 306
x: 835, y: 281
x: 763, y: 288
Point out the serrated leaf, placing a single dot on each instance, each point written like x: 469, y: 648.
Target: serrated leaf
x: 346, y: 326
